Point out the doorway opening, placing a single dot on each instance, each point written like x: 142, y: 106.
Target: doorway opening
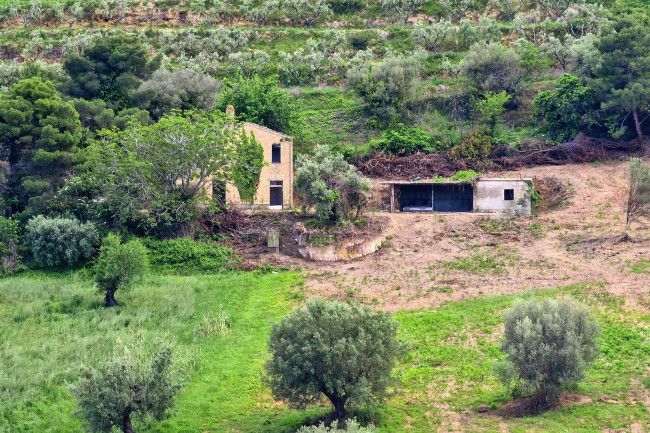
x: 276, y: 194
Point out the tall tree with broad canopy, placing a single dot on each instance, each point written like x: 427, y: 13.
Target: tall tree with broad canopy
x: 568, y: 109
x: 157, y: 175
x: 338, y: 350
x: 111, y: 69
x: 262, y: 101
x: 39, y: 137
x: 624, y: 74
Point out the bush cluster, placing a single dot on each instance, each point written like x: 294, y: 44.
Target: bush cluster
x: 61, y: 241
x: 184, y: 255
x: 477, y: 145
x: 405, y: 141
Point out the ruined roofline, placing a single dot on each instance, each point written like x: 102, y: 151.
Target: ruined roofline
x: 264, y: 128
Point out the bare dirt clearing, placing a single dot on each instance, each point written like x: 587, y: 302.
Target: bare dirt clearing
x: 430, y: 258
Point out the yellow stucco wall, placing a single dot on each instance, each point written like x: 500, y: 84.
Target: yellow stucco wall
x: 282, y: 171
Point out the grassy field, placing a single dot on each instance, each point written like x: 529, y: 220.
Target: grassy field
x: 51, y: 325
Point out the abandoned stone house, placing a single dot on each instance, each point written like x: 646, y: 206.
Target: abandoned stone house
x: 275, y: 188
x: 481, y: 195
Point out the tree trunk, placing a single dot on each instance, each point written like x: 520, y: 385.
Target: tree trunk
x: 126, y: 424
x: 109, y: 299
x: 339, y: 408
x: 637, y: 125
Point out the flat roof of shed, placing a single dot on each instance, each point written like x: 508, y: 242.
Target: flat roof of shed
x: 452, y: 182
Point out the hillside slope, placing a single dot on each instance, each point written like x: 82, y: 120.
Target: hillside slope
x: 429, y: 259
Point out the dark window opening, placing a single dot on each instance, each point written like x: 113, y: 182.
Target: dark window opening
x: 276, y: 153
x: 508, y: 194
x: 276, y: 193
x: 219, y: 191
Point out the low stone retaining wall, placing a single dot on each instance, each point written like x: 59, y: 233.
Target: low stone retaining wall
x: 338, y: 250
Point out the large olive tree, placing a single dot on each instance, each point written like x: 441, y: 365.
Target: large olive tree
x: 328, y: 183
x: 548, y: 345
x: 333, y: 349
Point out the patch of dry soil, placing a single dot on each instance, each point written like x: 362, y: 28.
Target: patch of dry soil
x: 431, y: 258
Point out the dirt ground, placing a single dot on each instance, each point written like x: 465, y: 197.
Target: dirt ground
x: 431, y: 258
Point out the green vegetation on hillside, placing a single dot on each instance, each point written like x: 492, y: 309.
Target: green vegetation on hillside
x: 51, y: 325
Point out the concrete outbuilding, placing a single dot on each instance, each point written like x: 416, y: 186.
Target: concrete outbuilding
x: 480, y: 195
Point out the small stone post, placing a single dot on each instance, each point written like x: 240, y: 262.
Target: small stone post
x: 273, y: 240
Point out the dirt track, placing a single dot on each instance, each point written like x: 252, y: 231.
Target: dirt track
x: 429, y: 259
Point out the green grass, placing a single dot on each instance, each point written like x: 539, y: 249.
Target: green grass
x: 51, y: 325
x: 454, y: 350
x: 642, y: 266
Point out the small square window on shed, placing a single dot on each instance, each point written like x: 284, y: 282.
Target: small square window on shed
x: 276, y: 153
x: 508, y: 194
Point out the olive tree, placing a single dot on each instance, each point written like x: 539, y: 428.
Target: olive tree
x: 432, y: 36
x: 333, y: 349
x: 388, y: 84
x: 119, y: 265
x: 638, y: 196
x: 61, y: 241
x: 548, y: 345
x: 333, y: 187
x: 402, y: 9
x: 111, y: 395
x: 260, y: 13
x: 308, y: 11
x: 507, y: 8
x: 182, y: 89
x: 493, y: 68
x: 458, y: 8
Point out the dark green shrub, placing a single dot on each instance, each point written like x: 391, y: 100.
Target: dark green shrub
x: 405, y: 141
x: 61, y: 241
x: 184, y: 255
x: 548, y: 345
x: 344, y: 7
x: 262, y: 101
x: 360, y: 40
x: 333, y: 349
x: 477, y: 145
x: 568, y: 109
x: 110, y: 396
x: 119, y: 266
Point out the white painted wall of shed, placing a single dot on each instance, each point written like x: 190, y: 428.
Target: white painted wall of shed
x: 489, y: 196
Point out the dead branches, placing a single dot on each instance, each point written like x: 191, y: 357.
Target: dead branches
x: 581, y: 149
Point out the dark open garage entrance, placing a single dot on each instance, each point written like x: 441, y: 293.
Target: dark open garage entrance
x: 453, y: 197
x: 429, y: 196
x: 416, y: 198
